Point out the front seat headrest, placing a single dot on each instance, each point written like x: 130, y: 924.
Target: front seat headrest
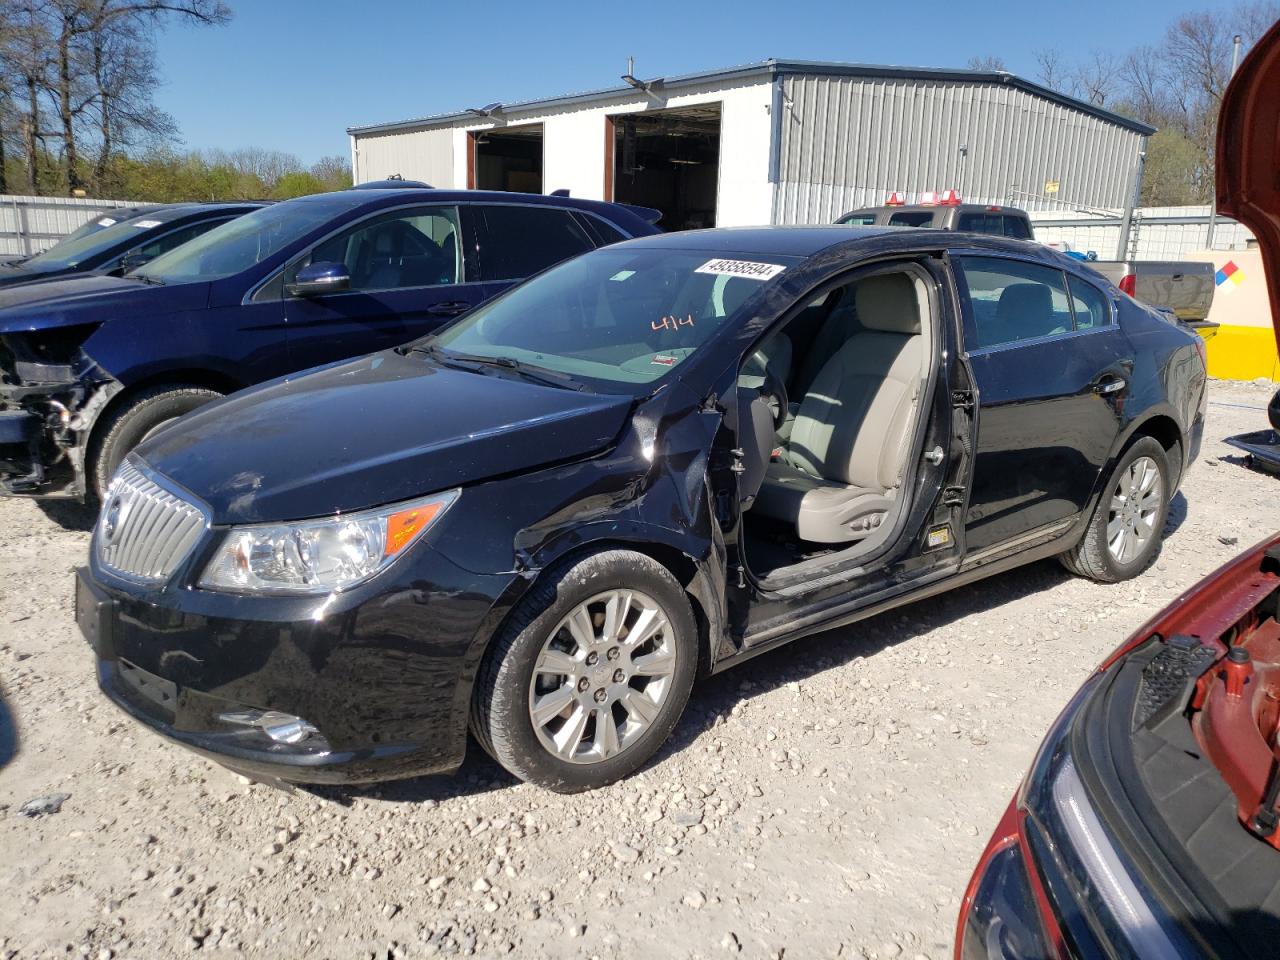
x: 888, y: 302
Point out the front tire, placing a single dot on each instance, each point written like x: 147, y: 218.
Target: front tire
x: 1127, y: 527
x: 132, y: 423
x: 590, y: 674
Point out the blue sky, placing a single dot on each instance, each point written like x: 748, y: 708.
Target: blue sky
x: 294, y: 74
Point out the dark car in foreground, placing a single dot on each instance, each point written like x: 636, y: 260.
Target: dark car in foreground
x: 1149, y: 823
x: 657, y: 460
x: 115, y: 243
x: 90, y: 366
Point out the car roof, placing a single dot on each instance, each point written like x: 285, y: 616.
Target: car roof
x: 807, y: 241
x: 785, y: 241
x: 176, y: 211
x: 345, y: 199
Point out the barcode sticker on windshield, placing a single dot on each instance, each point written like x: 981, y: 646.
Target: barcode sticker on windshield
x: 749, y: 269
x: 105, y: 222
x: 146, y: 224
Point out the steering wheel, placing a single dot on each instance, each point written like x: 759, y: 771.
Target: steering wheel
x: 774, y: 393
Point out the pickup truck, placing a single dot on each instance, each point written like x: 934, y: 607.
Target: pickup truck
x: 1184, y: 288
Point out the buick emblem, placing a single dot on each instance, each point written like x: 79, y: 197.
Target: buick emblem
x: 111, y: 519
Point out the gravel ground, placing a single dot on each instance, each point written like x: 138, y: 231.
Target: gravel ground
x: 828, y: 799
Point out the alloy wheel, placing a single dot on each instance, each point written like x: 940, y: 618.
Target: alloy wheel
x: 602, y: 676
x: 1135, y: 506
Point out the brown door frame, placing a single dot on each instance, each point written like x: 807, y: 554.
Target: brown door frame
x: 609, y: 136
x: 471, y: 158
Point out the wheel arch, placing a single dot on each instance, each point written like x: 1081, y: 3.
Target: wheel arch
x: 657, y: 543
x: 1162, y: 426
x: 94, y: 416
x: 195, y: 377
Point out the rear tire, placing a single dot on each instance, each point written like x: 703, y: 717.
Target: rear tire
x: 132, y: 423
x: 588, y: 617
x: 1126, y: 530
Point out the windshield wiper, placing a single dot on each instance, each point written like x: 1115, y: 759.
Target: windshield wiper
x: 551, y: 378
x: 145, y: 278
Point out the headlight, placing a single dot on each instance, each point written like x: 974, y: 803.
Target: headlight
x: 320, y: 556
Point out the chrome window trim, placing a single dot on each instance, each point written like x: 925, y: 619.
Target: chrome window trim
x: 1036, y: 341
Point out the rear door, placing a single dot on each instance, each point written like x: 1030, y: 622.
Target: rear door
x: 516, y: 241
x: 1051, y: 368
x: 409, y: 275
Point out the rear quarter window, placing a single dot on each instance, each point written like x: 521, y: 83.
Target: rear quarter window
x: 524, y: 240
x: 1090, y: 305
x: 912, y: 218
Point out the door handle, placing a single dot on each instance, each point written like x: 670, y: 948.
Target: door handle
x: 450, y: 308
x: 1110, y: 385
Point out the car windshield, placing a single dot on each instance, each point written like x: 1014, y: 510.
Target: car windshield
x: 83, y: 245
x: 240, y: 243
x: 616, y: 316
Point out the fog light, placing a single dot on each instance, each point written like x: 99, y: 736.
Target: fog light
x: 280, y: 727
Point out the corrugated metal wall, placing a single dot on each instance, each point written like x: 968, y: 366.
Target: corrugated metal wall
x: 1158, y: 233
x: 425, y: 155
x: 850, y: 141
x: 30, y: 224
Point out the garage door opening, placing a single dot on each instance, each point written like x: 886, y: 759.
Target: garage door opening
x: 669, y: 160
x: 508, y: 159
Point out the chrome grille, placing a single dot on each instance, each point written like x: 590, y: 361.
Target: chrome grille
x: 144, y: 531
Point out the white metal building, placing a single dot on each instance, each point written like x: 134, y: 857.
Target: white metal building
x: 778, y: 142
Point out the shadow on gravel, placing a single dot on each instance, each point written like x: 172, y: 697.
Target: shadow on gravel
x: 715, y: 696
x: 1177, y: 514
x: 801, y: 659
x: 68, y: 514
x: 477, y: 775
x: 8, y: 733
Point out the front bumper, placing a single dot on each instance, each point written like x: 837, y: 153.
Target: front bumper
x: 44, y: 428
x: 383, y: 675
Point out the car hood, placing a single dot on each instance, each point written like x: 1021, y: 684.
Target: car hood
x: 1248, y: 155
x: 376, y: 430
x: 11, y: 276
x: 58, y: 303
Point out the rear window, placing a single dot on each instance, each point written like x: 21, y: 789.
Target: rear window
x: 859, y: 219
x: 996, y: 224
x: 523, y: 241
x: 912, y: 218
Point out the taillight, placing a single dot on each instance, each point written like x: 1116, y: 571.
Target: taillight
x: 1128, y: 284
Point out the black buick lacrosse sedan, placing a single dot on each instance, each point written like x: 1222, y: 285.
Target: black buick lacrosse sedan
x: 654, y: 461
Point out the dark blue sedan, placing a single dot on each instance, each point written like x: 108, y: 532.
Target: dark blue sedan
x: 91, y: 366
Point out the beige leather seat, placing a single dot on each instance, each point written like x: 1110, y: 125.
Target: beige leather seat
x: 843, y: 463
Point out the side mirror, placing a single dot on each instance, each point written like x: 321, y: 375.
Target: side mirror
x: 318, y: 279
x: 128, y: 263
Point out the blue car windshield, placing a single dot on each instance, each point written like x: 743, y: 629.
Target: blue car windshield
x: 241, y: 243
x: 616, y: 316
x: 84, y: 245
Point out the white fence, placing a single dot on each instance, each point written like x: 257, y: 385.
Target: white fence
x: 30, y: 224
x: 1158, y: 233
